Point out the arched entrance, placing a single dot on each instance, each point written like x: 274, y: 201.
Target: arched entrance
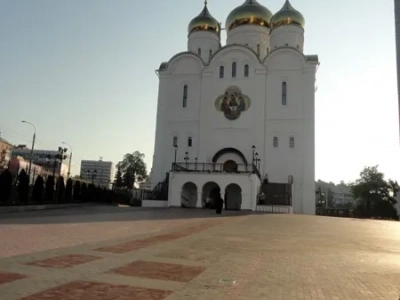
x: 189, y: 195
x: 230, y: 166
x: 209, y: 194
x: 233, y: 197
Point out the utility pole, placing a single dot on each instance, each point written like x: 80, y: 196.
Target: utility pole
x: 33, y: 146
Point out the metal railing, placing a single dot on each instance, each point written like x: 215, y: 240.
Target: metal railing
x: 215, y: 168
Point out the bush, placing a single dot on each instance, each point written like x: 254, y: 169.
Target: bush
x: 49, y: 194
x: 83, y: 192
x: 23, y: 187
x: 38, y: 189
x: 5, y: 186
x: 77, y: 191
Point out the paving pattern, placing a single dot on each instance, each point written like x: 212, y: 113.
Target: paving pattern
x: 105, y: 253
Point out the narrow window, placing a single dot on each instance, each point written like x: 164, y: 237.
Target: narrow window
x: 221, y: 72
x: 234, y: 69
x: 175, y: 141
x: 284, y: 92
x: 246, y: 71
x: 258, y: 49
x: 199, y: 52
x: 291, y: 142
x: 267, y: 50
x: 210, y: 54
x: 185, y: 95
x: 275, y: 142
x: 189, y: 142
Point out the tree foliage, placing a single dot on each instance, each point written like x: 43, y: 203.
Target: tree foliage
x: 68, y: 190
x: 118, y: 178
x: 60, y: 189
x: 5, y: 186
x: 374, y: 195
x: 49, y: 192
x: 38, y: 190
x: 133, y: 169
x: 77, y: 191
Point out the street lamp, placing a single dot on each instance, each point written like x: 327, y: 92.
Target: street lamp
x: 176, y: 150
x: 70, y: 159
x: 33, y: 145
x: 254, y: 149
x: 186, y: 158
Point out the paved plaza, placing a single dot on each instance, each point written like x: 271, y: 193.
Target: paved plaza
x: 112, y: 253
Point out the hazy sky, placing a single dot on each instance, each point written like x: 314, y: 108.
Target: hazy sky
x: 83, y: 72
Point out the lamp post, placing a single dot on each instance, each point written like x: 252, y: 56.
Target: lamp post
x: 256, y: 160
x: 70, y: 159
x: 33, y: 146
x: 186, y: 158
x: 94, y: 172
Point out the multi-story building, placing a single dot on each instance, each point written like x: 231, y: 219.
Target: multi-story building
x: 5, y: 153
x: 100, y: 173
x: 43, y: 158
x: 342, y: 198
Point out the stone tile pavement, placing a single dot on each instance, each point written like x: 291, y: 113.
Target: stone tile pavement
x: 137, y: 254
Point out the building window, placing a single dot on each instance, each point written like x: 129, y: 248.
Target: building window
x: 291, y: 142
x: 246, y: 71
x: 185, y: 96
x: 275, y: 142
x: 284, y: 92
x: 258, y: 49
x: 221, y: 72
x: 210, y: 54
x: 234, y: 69
x: 189, y: 142
x: 175, y: 141
x: 199, y: 52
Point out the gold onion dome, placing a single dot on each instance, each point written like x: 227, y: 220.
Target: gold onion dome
x: 287, y: 16
x: 249, y: 13
x: 204, y: 22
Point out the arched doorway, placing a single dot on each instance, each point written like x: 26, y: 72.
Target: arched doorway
x: 233, y: 197
x: 209, y: 194
x: 189, y: 195
x: 230, y: 166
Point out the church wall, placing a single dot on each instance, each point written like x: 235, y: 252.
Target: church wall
x: 218, y: 132
x: 287, y: 36
x: 207, y: 42
x: 253, y: 36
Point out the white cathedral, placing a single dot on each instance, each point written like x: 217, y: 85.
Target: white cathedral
x: 238, y: 121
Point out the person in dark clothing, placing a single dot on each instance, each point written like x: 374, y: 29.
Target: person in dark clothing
x: 219, y: 204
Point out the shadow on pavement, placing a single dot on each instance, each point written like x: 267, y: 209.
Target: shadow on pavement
x: 93, y: 214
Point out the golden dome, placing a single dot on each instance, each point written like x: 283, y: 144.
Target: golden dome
x: 287, y: 16
x: 204, y: 22
x: 250, y: 12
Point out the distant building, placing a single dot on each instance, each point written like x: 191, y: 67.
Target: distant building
x: 101, y: 173
x: 5, y: 153
x: 342, y: 198
x: 42, y: 158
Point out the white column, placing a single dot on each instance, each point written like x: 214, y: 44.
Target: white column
x: 199, y: 203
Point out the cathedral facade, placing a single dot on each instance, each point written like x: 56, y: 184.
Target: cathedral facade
x: 238, y: 121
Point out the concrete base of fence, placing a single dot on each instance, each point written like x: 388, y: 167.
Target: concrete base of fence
x: 22, y: 208
x: 154, y: 203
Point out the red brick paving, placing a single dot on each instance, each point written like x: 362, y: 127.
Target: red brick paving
x: 161, y: 271
x: 66, y: 261
x: 10, y: 277
x: 142, y: 243
x: 82, y: 290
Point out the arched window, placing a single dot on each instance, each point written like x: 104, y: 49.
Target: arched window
x: 291, y: 142
x: 175, y: 141
x: 185, y: 96
x: 275, y: 142
x: 258, y: 49
x: 284, y: 92
x: 199, y: 52
x: 246, y: 71
x: 221, y: 72
x: 189, y: 141
x: 234, y: 69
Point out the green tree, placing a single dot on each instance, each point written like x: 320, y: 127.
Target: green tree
x: 38, y: 189
x: 77, y: 191
x: 374, y: 195
x: 68, y: 190
x: 133, y: 168
x: 23, y: 187
x: 118, y: 178
x: 49, y: 191
x: 5, y: 186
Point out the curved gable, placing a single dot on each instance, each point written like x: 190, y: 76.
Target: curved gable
x: 247, y: 53
x: 185, y: 63
x: 285, y: 59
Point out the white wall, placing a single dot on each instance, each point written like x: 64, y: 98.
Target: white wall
x: 208, y: 43
x: 247, y: 182
x: 287, y: 36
